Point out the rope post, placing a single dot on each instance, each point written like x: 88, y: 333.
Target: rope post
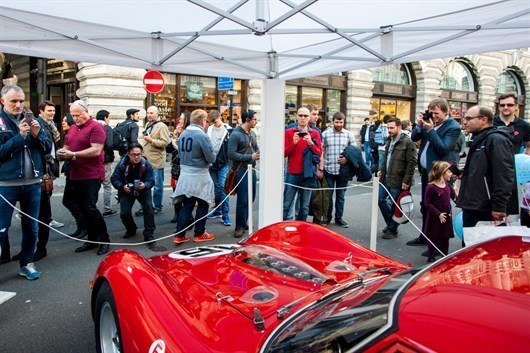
x: 250, y: 198
x: 375, y: 209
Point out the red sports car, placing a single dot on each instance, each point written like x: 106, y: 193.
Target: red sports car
x: 299, y: 287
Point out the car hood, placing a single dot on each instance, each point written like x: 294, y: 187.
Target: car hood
x: 252, y: 276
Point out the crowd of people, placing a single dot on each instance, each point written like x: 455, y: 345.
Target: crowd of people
x: 204, y: 150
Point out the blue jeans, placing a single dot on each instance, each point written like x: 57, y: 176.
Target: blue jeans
x: 303, y: 194
x: 219, y: 178
x: 387, y: 206
x: 335, y: 181
x: 242, y: 212
x: 368, y: 153
x: 29, y: 198
x: 158, y: 189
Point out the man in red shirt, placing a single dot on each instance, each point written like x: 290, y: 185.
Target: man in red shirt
x: 303, y: 148
x: 84, y: 148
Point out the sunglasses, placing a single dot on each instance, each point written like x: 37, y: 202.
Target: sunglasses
x: 303, y: 115
x: 467, y: 118
x: 507, y: 105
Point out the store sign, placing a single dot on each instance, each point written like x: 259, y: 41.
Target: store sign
x: 225, y: 83
x: 194, y: 90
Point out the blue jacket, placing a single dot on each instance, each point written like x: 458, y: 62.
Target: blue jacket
x: 120, y: 175
x: 355, y: 165
x: 12, y: 146
x: 442, y: 142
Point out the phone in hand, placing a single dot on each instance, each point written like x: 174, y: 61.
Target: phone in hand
x: 145, y: 133
x: 137, y: 183
x: 301, y: 134
x: 28, y: 117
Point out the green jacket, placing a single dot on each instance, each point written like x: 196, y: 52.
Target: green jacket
x: 403, y: 161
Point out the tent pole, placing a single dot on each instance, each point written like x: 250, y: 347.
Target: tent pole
x: 271, y: 152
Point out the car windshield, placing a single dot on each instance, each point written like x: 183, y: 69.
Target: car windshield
x: 337, y: 324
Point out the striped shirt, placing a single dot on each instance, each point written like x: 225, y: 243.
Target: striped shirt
x: 334, y: 143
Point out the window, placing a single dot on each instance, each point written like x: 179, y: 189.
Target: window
x: 397, y: 74
x: 198, y: 90
x: 458, y: 77
x: 165, y: 100
x: 508, y: 82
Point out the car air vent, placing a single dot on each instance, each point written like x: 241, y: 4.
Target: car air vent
x: 260, y: 294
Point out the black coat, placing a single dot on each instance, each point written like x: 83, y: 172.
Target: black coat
x: 489, y: 175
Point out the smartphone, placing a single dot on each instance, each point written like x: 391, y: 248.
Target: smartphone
x: 145, y: 133
x: 28, y: 116
x: 302, y: 133
x: 137, y: 183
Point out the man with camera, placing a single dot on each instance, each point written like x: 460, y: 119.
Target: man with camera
x: 133, y: 177
x: 438, y: 134
x: 23, y: 143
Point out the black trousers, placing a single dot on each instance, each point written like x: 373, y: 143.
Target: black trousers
x: 86, y: 197
x: 69, y: 201
x: 146, y: 201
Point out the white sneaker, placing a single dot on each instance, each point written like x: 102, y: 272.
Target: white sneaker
x: 56, y: 224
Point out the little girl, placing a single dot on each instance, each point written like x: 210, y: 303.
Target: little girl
x: 438, y: 195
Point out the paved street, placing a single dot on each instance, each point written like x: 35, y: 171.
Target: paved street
x: 52, y: 314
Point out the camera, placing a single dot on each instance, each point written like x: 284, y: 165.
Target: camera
x: 28, y: 116
x: 130, y: 185
x: 427, y: 115
x: 145, y: 133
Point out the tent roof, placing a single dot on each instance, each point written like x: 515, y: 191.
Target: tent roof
x: 260, y: 39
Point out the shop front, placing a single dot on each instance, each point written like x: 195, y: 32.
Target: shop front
x: 183, y: 93
x: 328, y: 93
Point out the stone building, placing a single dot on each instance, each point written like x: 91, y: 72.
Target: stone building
x: 398, y: 90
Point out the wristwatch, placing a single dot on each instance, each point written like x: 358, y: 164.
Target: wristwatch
x: 74, y: 157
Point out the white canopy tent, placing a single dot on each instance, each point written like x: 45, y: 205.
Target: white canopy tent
x: 273, y: 40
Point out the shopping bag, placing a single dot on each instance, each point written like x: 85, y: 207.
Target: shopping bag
x: 490, y: 230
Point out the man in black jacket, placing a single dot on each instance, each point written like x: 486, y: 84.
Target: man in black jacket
x: 134, y: 179
x: 488, y: 177
x: 103, y: 118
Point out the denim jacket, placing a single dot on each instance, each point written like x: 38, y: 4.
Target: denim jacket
x: 12, y: 146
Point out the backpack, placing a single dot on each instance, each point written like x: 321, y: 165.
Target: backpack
x: 379, y: 136
x: 120, y: 137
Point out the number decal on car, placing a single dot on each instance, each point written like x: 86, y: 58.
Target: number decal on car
x: 204, y: 251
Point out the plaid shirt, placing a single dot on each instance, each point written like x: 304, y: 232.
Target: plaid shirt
x: 334, y: 143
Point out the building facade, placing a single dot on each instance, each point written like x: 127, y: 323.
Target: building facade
x: 398, y: 90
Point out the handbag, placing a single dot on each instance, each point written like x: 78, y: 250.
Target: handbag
x: 231, y: 177
x: 46, y: 184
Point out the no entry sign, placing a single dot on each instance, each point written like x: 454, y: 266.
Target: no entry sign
x: 153, y: 81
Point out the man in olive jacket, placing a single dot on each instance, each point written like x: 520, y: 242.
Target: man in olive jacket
x: 396, y: 174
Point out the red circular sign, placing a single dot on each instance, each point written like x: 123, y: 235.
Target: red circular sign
x: 153, y: 81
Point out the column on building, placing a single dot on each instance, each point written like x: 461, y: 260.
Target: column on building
x: 113, y: 88
x: 358, y: 96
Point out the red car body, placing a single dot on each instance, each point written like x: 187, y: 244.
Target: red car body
x: 254, y: 295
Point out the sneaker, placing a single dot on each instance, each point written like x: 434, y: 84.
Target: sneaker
x: 203, y: 237
x: 109, y: 213
x: 56, y: 224
x: 29, y: 271
x: 156, y: 211
x: 139, y: 213
x: 179, y: 240
x: 389, y: 235
x: 342, y: 223
x: 226, y: 220
x: 216, y: 214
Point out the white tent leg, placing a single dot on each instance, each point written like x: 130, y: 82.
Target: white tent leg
x: 375, y: 208
x: 271, y: 147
